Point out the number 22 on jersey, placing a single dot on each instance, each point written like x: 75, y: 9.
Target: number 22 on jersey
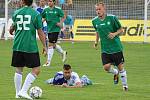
x: 22, y: 23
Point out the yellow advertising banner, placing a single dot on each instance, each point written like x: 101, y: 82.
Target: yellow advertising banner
x: 133, y: 30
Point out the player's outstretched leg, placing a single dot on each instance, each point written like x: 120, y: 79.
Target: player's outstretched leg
x: 28, y: 82
x: 18, y: 80
x: 62, y: 52
x: 123, y: 76
x: 49, y: 56
x: 112, y: 70
x: 116, y: 78
x: 64, y: 56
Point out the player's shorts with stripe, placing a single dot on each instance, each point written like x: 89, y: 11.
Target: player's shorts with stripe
x: 22, y: 59
x: 114, y: 59
x: 53, y: 37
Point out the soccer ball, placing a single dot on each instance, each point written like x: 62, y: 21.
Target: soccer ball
x: 35, y: 92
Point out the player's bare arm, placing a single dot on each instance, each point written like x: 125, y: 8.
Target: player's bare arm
x: 43, y: 19
x: 112, y: 35
x: 96, y: 40
x: 78, y: 85
x: 42, y: 38
x: 11, y: 30
x: 60, y: 24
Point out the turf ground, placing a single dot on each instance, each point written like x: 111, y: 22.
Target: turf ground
x: 84, y: 60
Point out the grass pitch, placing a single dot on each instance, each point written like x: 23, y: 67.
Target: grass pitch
x: 84, y: 60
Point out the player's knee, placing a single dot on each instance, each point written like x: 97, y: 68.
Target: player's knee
x: 19, y: 70
x: 54, y: 45
x: 50, y: 44
x: 107, y: 67
x: 120, y: 67
x: 36, y: 71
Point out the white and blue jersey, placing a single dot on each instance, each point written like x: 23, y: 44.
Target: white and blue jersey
x: 59, y: 79
x: 40, y: 10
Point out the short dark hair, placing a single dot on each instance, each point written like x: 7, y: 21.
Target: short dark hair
x: 53, y: 1
x: 28, y: 2
x: 66, y: 67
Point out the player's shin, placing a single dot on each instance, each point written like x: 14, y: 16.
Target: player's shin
x: 113, y: 71
x: 50, y: 54
x: 28, y: 82
x: 59, y: 49
x: 123, y: 75
x: 17, y: 82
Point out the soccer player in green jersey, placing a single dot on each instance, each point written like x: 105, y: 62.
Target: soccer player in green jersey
x: 25, y: 50
x: 108, y: 29
x: 54, y: 17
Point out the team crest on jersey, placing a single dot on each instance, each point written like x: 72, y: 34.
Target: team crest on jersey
x: 108, y: 23
x: 55, y: 12
x: 96, y: 25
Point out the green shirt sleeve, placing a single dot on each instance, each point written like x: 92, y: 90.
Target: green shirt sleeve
x: 13, y: 18
x: 94, y: 26
x: 61, y: 13
x: 38, y: 22
x: 117, y: 24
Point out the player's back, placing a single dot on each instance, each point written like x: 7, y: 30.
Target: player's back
x: 59, y: 78
x: 26, y: 20
x: 27, y: 16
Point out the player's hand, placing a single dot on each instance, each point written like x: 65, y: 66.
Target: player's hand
x: 60, y: 25
x: 44, y: 51
x: 11, y: 30
x: 111, y: 35
x: 96, y: 45
x: 64, y: 85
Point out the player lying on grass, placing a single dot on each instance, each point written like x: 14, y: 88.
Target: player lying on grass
x: 69, y: 79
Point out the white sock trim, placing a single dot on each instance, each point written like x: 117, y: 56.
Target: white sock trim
x: 50, y: 54
x: 123, y: 75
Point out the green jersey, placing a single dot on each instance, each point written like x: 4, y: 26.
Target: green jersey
x: 25, y: 21
x: 52, y: 16
x: 103, y: 28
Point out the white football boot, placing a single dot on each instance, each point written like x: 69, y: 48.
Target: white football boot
x: 64, y: 56
x: 24, y: 95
